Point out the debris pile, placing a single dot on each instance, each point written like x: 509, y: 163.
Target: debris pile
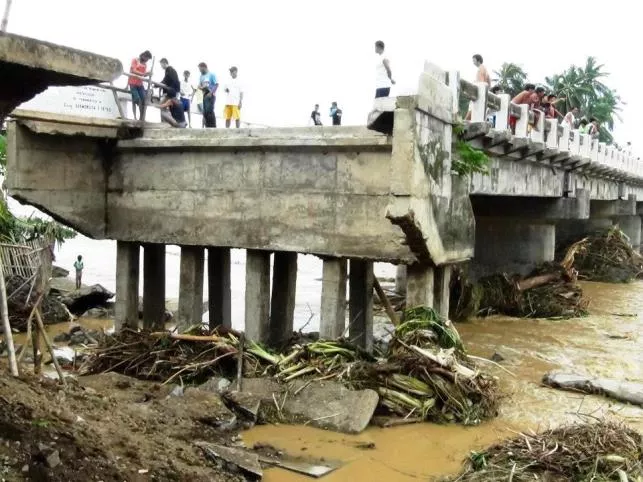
x: 21, y: 298
x: 606, y: 256
x: 425, y: 374
x: 593, y: 451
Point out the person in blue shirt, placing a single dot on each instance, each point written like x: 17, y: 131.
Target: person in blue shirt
x: 336, y: 114
x: 208, y: 85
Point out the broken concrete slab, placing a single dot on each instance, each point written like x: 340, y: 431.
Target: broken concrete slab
x: 623, y: 391
x: 215, y: 385
x: 327, y: 405
x: 231, y: 457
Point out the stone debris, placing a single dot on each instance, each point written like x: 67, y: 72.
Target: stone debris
x: 623, y: 391
x: 245, y: 405
x: 53, y: 459
x: 205, y: 407
x: 216, y: 385
x: 246, y: 462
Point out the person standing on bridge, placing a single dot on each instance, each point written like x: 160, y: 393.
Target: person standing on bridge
x: 482, y: 75
x: 208, y: 85
x: 522, y: 98
x: 234, y: 99
x: 170, y: 80
x: 570, y: 119
x: 336, y: 114
x: 135, y: 84
x: 187, y: 93
x: 383, y: 75
x: 315, y: 115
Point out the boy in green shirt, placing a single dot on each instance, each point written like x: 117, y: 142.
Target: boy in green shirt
x: 79, y: 271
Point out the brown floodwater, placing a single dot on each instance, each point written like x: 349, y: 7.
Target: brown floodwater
x: 606, y: 343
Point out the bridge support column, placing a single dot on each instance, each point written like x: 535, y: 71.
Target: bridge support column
x: 219, y: 296
x: 127, y: 273
x: 282, y: 305
x: 420, y: 285
x: 512, y: 246
x: 191, y: 287
x: 333, y: 299
x: 442, y: 286
x: 360, y: 309
x: 257, y: 323
x: 400, y: 279
x: 153, y: 286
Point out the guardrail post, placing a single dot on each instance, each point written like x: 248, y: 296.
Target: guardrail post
x: 551, y: 138
x: 479, y: 106
x: 454, y: 84
x: 502, y: 116
x: 574, y: 145
x: 522, y: 124
x: 538, y: 132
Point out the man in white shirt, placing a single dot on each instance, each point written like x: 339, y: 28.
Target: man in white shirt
x: 187, y: 92
x: 383, y: 75
x: 570, y: 118
x: 234, y: 99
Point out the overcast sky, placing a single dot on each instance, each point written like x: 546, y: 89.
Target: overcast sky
x: 292, y: 54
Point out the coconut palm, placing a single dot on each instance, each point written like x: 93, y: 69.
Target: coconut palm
x: 511, y: 78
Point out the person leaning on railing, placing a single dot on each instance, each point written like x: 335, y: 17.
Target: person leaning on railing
x: 135, y: 84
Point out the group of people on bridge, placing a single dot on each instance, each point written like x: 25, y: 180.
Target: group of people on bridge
x: 178, y: 95
x: 539, y: 101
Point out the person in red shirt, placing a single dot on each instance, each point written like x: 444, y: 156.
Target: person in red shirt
x: 139, y: 67
x: 522, y: 98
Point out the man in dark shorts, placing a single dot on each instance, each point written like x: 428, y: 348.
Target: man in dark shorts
x: 315, y: 115
x: 336, y: 114
x: 187, y: 92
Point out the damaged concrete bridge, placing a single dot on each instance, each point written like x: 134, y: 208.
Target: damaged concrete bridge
x: 350, y: 195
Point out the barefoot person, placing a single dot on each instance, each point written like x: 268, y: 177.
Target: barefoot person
x: 79, y: 266
x: 482, y: 75
x: 187, y: 93
x: 383, y: 75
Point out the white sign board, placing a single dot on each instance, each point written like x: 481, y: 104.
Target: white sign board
x: 84, y: 101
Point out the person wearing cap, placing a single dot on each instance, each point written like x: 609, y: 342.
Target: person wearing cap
x: 234, y: 99
x: 135, y: 84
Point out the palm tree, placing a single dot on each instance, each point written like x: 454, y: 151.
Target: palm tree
x: 511, y: 78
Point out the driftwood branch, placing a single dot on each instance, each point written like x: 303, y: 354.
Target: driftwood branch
x: 50, y: 346
x: 385, y: 302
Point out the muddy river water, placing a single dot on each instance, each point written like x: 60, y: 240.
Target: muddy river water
x: 607, y: 343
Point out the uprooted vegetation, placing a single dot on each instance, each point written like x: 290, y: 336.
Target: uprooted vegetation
x: 606, y: 256
x: 425, y: 372
x: 588, y: 452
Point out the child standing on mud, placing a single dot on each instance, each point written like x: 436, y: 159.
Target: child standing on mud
x: 78, y: 264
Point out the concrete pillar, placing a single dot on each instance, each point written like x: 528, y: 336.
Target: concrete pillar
x: 512, y: 246
x: 220, y: 313
x: 631, y: 226
x: 442, y: 294
x: 419, y: 285
x: 191, y: 287
x: 282, y: 305
x: 127, y: 272
x: 360, y: 309
x: 257, y: 324
x: 153, y: 286
x: 400, y: 279
x: 333, y: 299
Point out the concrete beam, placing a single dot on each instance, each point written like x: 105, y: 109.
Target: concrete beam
x: 153, y: 286
x: 533, y: 207
x: 360, y: 330
x: 191, y: 287
x: 282, y: 305
x: 257, y: 325
x: 127, y: 274
x: 400, y: 279
x: 419, y: 285
x: 616, y: 207
x: 333, y: 299
x: 219, y: 293
x: 506, y: 245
